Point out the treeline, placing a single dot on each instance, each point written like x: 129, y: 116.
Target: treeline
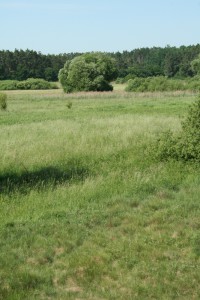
x: 147, y: 62
x: 143, y: 62
x: 21, y: 65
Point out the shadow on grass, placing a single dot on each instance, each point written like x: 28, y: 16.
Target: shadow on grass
x: 40, y: 179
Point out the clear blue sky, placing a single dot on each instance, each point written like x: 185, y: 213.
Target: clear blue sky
x: 58, y: 26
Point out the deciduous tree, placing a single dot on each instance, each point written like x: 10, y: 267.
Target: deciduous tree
x: 88, y: 72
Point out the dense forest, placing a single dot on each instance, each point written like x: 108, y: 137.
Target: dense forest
x: 21, y: 65
x: 143, y: 62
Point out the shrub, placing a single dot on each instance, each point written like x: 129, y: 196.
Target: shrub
x: 120, y: 80
x: 8, y: 85
x: 100, y: 84
x: 185, y: 145
x: 190, y: 138
x: 195, y: 65
x: 194, y: 83
x: 134, y: 84
x: 3, y: 101
x: 35, y: 84
x: 125, y: 79
x: 29, y: 84
x: 161, y: 84
x: 88, y: 72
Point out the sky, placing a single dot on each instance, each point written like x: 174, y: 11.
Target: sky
x: 64, y: 26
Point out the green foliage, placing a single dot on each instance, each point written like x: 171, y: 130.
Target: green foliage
x: 143, y: 62
x: 122, y: 80
x: 50, y: 74
x: 3, y: 102
x: 161, y: 84
x: 8, y: 85
x: 35, y: 84
x: 185, y: 145
x: 88, y: 72
x: 21, y: 65
x: 195, y: 65
x: 29, y: 84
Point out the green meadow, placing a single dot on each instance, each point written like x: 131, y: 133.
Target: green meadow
x: 86, y: 212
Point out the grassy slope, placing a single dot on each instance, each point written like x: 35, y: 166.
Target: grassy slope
x: 85, y: 212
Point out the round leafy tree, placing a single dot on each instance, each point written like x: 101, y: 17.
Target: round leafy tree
x: 88, y: 72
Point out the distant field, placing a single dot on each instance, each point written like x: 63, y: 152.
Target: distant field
x: 86, y: 211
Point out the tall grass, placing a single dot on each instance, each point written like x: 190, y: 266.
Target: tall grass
x: 86, y: 212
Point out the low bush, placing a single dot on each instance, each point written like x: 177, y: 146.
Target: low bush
x: 29, y: 84
x: 185, y: 145
x: 3, y: 101
x: 35, y: 84
x: 121, y: 80
x: 8, y: 85
x: 161, y: 84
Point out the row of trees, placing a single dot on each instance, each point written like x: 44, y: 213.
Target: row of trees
x: 21, y: 65
x: 168, y: 61
x: 144, y: 62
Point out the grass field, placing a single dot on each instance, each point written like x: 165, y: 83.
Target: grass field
x: 86, y: 211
